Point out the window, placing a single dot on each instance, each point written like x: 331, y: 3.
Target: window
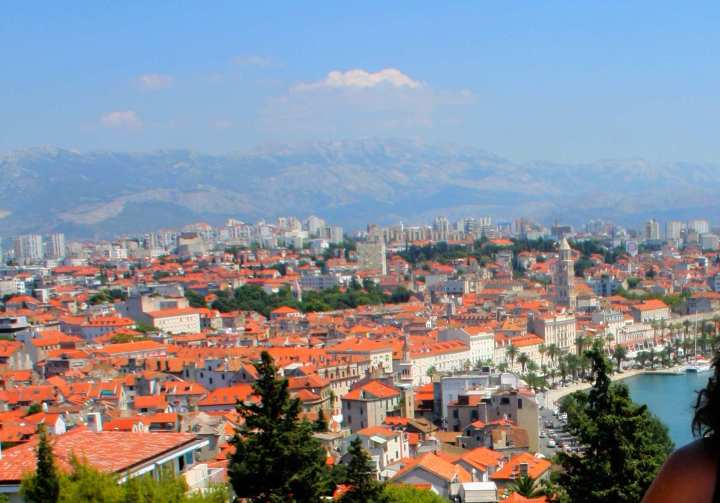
x: 519, y: 403
x: 455, y: 413
x: 505, y: 401
x: 211, y: 380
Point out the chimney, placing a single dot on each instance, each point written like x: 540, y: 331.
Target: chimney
x: 94, y: 422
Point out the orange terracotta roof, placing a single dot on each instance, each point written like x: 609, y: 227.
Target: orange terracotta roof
x: 437, y: 466
x: 108, y: 451
x: 536, y: 467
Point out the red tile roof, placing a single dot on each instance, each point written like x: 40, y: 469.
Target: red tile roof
x: 371, y: 390
x: 108, y: 451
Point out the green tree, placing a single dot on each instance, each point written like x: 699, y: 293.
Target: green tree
x: 34, y: 409
x: 276, y: 458
x: 195, y: 299
x: 619, y: 353
x: 511, y: 352
x: 360, y: 476
x: 523, y: 360
x: 44, y: 485
x: 401, y: 493
x: 320, y: 425
x: 624, y: 445
x: 526, y: 486
x: 86, y: 484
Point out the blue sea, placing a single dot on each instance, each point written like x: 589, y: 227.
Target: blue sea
x: 671, y: 398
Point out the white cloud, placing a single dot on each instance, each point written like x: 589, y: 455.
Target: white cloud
x: 252, y: 61
x: 358, y: 103
x: 362, y: 79
x: 121, y: 119
x: 155, y: 81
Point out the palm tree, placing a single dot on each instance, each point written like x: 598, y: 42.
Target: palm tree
x: 563, y: 369
x: 523, y: 360
x: 502, y: 367
x: 703, y: 341
x: 511, y: 352
x: 581, y: 342
x: 677, y: 344
x: 609, y: 338
x: 666, y: 356
x: 526, y: 486
x: 651, y: 357
x: 552, y: 374
x: 619, y: 353
x: 654, y: 325
x: 686, y: 326
x: 532, y: 366
x: 542, y: 349
x: 553, y: 352
x: 662, y: 329
x: 573, y: 364
x: 687, y: 346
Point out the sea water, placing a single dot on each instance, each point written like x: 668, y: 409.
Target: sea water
x: 671, y: 398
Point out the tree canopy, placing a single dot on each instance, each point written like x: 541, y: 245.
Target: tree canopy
x: 624, y: 445
x: 276, y: 457
x: 360, y: 476
x: 254, y: 298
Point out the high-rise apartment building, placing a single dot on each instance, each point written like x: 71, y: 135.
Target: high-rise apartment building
x: 673, y: 230
x: 371, y: 257
x: 29, y: 247
x: 314, y: 225
x: 441, y: 228
x: 699, y: 226
x: 56, y: 246
x: 652, y: 230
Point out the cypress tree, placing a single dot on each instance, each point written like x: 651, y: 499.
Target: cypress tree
x: 44, y: 485
x: 320, y: 425
x: 624, y: 444
x: 364, y: 486
x: 276, y: 457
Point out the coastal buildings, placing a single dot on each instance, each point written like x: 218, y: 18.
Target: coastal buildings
x: 412, y: 346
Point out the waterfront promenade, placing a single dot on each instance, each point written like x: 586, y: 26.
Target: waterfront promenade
x: 554, y: 395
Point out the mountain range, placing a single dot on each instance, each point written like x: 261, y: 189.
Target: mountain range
x: 351, y: 183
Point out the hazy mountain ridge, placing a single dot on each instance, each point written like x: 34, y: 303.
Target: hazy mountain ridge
x: 349, y: 182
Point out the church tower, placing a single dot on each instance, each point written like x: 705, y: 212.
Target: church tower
x: 564, y: 279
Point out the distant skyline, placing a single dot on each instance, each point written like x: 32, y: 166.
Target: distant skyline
x: 560, y: 81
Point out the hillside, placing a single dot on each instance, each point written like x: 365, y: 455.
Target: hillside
x: 350, y: 183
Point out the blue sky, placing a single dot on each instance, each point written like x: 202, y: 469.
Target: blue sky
x: 561, y: 81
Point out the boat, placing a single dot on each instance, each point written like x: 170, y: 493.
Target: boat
x: 698, y: 366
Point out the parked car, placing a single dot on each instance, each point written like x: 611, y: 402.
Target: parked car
x: 551, y: 444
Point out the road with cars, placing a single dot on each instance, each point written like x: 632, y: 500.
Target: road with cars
x: 553, y: 434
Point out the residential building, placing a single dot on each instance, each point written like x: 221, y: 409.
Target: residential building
x: 372, y: 258
x: 175, y: 321
x: 385, y: 446
x: 121, y: 453
x: 29, y: 248
x: 369, y: 404
x: 56, y: 246
x: 650, y: 310
x: 556, y: 328
x: 443, y: 477
x: 652, y: 230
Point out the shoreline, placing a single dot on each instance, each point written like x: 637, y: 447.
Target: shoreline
x: 552, y: 396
